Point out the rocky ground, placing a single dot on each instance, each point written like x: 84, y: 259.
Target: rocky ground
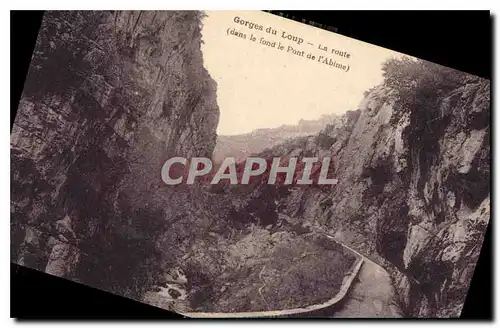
x: 295, y: 273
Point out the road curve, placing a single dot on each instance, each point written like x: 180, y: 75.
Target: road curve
x: 372, y: 295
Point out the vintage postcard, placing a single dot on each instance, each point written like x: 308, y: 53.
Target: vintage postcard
x: 239, y: 164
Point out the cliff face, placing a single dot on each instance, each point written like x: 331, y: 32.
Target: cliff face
x: 413, y: 193
x: 109, y: 96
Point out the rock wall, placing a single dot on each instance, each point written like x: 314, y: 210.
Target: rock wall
x: 109, y: 96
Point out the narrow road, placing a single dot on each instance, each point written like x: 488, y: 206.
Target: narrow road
x: 372, y: 294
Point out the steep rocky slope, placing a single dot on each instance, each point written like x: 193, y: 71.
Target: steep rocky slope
x: 413, y: 164
x: 109, y: 96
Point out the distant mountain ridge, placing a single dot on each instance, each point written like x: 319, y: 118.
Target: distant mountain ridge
x: 243, y: 145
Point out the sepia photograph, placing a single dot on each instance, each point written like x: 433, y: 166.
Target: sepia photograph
x: 237, y: 164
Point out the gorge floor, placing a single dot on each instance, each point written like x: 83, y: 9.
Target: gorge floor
x: 370, y: 295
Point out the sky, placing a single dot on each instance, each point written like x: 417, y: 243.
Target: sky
x: 262, y: 87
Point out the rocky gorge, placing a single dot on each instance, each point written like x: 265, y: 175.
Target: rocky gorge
x: 111, y: 95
